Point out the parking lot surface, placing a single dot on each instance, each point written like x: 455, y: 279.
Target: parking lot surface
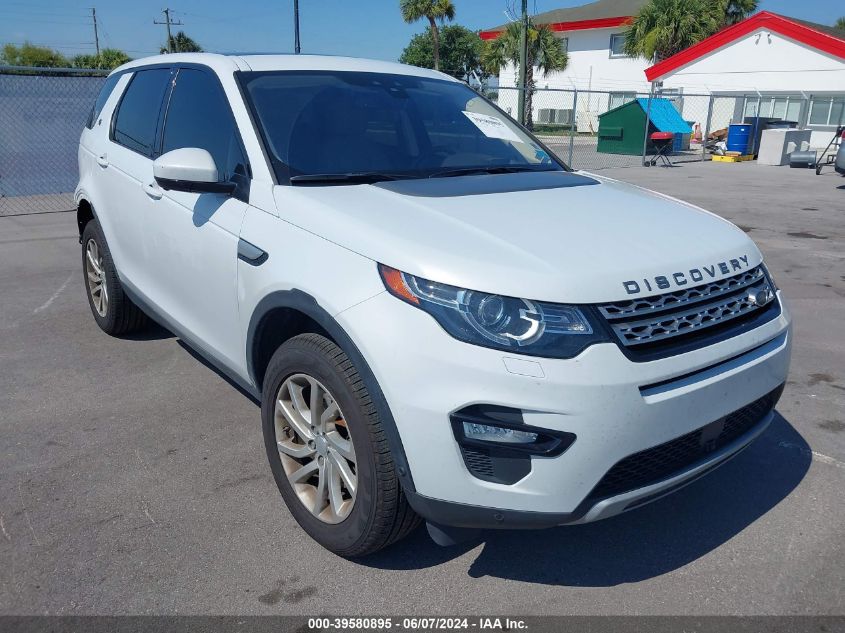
x: 133, y: 478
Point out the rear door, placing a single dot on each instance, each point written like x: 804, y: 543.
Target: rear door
x: 192, y: 238
x: 126, y: 161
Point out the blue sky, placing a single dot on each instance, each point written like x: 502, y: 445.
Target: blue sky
x: 362, y: 28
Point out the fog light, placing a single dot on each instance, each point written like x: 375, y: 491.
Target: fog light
x: 501, y: 432
x: 487, y: 433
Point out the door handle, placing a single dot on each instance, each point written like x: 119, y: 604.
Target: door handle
x: 103, y: 160
x: 153, y: 191
x: 251, y: 254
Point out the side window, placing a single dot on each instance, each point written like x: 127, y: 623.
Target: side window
x: 105, y: 93
x: 137, y: 114
x: 199, y: 116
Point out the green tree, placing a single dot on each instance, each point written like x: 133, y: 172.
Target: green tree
x: 31, y: 55
x: 432, y: 10
x: 840, y: 23
x: 733, y: 11
x: 108, y: 59
x: 181, y: 43
x: 665, y: 27
x: 460, y: 52
x: 546, y: 53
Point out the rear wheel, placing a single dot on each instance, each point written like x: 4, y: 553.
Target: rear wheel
x: 328, y: 451
x: 113, y: 311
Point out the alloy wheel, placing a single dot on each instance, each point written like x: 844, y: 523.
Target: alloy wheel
x: 95, y: 274
x: 315, y: 448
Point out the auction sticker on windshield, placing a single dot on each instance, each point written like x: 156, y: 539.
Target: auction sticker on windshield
x: 492, y: 127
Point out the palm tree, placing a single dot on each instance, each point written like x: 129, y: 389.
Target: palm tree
x: 432, y: 10
x: 546, y: 53
x: 840, y: 23
x: 665, y: 27
x: 733, y: 11
x: 181, y: 43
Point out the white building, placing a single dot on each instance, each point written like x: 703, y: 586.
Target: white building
x: 768, y: 65
x: 605, y: 76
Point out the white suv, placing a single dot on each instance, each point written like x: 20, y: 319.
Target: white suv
x: 441, y: 320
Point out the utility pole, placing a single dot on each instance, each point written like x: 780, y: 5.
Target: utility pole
x: 96, y: 33
x: 296, y: 26
x: 168, y: 21
x: 523, y: 61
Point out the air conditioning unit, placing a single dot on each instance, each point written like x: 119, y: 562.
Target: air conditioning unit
x: 555, y: 116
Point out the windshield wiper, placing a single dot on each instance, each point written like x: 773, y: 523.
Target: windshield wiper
x: 343, y: 179
x: 492, y: 169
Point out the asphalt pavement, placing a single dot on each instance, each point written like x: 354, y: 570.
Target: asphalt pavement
x: 133, y: 478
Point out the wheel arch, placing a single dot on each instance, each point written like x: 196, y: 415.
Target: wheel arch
x: 284, y: 314
x: 84, y: 214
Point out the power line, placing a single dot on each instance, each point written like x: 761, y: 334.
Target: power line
x: 41, y: 12
x: 168, y: 21
x: 40, y: 20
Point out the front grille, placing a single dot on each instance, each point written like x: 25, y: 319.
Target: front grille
x: 667, y: 322
x: 666, y: 460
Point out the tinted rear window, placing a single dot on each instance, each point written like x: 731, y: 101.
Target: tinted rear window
x: 137, y: 115
x: 105, y: 93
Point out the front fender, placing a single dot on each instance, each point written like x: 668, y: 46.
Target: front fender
x: 306, y: 304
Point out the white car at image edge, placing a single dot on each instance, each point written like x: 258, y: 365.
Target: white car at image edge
x: 442, y: 321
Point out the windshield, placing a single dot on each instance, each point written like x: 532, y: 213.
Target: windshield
x: 380, y: 126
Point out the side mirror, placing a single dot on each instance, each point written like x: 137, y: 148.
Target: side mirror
x: 189, y: 169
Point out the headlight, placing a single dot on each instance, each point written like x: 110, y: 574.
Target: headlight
x: 521, y: 326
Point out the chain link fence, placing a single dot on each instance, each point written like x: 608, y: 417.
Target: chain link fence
x: 586, y: 130
x: 42, y: 112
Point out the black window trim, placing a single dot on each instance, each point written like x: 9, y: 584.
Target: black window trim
x: 94, y: 115
x: 164, y: 106
x: 113, y: 123
x: 216, y: 80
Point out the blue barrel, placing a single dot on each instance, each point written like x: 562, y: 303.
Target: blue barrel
x: 739, y: 137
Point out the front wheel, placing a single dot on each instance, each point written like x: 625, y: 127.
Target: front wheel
x: 328, y: 451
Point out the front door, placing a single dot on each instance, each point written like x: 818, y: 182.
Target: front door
x: 191, y: 240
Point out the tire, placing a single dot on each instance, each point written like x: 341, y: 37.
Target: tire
x: 379, y: 514
x: 117, y: 315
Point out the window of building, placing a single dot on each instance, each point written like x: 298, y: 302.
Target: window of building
x: 620, y: 98
x: 617, y: 45
x: 137, y: 115
x: 784, y: 107
x: 827, y: 110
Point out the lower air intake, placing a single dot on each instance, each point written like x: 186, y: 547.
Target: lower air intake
x: 666, y: 460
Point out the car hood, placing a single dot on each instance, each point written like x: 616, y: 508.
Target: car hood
x: 580, y: 239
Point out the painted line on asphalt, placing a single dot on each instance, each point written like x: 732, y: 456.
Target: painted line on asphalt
x: 819, y: 457
x: 54, y: 296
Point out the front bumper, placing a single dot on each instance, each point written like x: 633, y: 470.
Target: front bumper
x: 614, y: 406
